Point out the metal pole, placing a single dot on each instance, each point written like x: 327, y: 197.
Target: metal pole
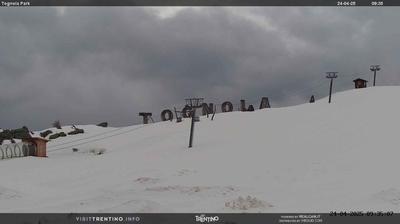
x: 192, y: 128
x: 375, y: 68
x: 330, y: 91
x: 331, y: 75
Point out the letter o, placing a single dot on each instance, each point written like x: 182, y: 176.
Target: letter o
x: 168, y: 113
x: 227, y: 104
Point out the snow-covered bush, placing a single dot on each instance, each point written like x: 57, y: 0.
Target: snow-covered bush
x: 103, y: 124
x: 76, y: 131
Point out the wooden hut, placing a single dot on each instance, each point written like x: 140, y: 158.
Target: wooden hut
x: 40, y: 145
x: 360, y: 83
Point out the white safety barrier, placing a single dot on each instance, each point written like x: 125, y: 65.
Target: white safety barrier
x: 14, y: 150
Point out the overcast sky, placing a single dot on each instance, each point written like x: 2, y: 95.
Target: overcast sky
x: 88, y: 65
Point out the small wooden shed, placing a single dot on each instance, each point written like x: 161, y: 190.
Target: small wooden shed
x: 40, y: 144
x: 360, y: 83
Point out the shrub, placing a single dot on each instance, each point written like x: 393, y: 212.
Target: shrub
x: 76, y: 131
x: 54, y: 136
x: 45, y: 133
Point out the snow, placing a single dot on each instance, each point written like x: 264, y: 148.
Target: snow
x: 307, y: 158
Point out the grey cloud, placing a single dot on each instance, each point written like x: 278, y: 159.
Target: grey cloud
x: 88, y: 65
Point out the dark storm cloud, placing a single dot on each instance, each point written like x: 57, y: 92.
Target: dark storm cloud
x: 86, y: 65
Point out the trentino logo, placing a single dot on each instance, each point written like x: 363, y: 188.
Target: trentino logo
x: 203, y: 218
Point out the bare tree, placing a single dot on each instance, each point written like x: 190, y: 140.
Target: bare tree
x: 57, y: 124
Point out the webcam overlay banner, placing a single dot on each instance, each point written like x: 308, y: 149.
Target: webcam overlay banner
x: 350, y: 3
x: 198, y: 218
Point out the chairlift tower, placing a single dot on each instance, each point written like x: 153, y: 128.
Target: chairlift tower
x: 331, y: 75
x: 375, y: 68
x: 194, y: 103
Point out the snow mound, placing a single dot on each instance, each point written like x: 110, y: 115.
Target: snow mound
x: 147, y: 180
x: 194, y: 190
x: 6, y: 193
x: 246, y: 203
x: 391, y: 196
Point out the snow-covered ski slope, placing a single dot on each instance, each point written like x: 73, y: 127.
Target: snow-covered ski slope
x: 307, y: 158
